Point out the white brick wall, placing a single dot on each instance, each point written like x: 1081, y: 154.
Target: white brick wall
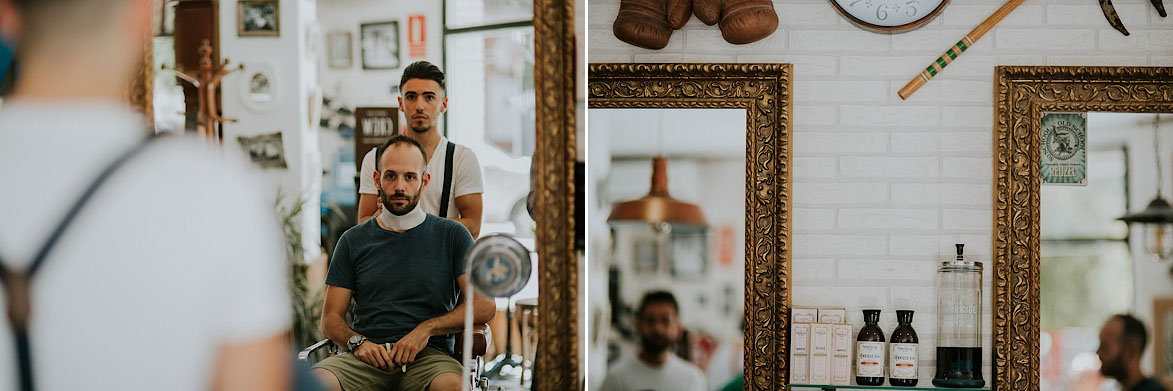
x: 884, y: 187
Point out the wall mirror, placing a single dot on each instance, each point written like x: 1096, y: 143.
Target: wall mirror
x: 1063, y: 263
x: 717, y: 127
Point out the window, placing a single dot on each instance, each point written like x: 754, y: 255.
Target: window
x: 489, y: 60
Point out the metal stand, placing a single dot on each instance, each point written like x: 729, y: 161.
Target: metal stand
x: 495, y: 372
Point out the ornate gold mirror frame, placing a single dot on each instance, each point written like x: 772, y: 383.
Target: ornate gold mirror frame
x: 764, y: 91
x: 554, y: 157
x: 1022, y: 94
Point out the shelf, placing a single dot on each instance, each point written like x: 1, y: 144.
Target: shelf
x: 924, y: 387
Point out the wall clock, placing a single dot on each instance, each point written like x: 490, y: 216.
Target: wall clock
x: 889, y: 16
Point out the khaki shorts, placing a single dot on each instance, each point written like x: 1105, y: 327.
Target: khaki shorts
x: 355, y: 375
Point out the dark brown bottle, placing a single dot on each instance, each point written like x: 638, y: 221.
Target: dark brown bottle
x: 869, y: 351
x: 903, y: 352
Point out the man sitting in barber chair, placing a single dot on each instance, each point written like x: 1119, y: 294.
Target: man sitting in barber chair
x: 405, y: 271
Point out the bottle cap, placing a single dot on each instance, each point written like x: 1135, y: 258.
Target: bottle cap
x: 871, y: 316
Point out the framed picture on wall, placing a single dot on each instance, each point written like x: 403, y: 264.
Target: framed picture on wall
x: 258, y: 18
x: 380, y: 45
x: 338, y: 43
x: 645, y: 254
x: 1163, y: 339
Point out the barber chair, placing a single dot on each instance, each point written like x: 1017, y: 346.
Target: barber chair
x: 481, y: 335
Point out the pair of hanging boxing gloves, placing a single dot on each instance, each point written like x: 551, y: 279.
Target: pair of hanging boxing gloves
x: 649, y: 23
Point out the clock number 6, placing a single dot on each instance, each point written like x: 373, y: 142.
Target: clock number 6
x: 911, y: 10
x: 880, y: 13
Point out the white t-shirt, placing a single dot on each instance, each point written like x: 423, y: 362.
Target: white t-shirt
x: 175, y: 255
x: 466, y: 171
x: 631, y: 374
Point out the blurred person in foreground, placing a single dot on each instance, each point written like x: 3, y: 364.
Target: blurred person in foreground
x: 1122, y: 342
x: 172, y: 275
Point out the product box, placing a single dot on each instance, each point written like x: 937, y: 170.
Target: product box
x: 841, y: 354
x: 800, y: 331
x: 804, y: 314
x: 820, y: 354
x: 832, y: 315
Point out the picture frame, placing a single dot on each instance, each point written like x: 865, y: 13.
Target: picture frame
x: 259, y: 87
x: 1163, y: 339
x: 646, y: 255
x: 258, y: 18
x: 265, y: 150
x: 340, y: 49
x: 380, y: 45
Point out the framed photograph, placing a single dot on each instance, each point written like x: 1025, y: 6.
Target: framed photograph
x: 258, y: 18
x: 380, y: 45
x: 259, y: 86
x: 689, y: 254
x: 339, y: 45
x: 1163, y: 339
x: 646, y: 254
x: 266, y: 150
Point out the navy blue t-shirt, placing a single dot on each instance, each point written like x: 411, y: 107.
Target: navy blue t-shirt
x: 401, y: 279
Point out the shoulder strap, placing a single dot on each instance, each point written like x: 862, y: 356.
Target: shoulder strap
x: 447, y: 180
x: 16, y: 283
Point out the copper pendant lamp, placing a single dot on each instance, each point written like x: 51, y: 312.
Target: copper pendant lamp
x: 658, y: 207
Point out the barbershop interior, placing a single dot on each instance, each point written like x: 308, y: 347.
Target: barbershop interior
x: 772, y: 195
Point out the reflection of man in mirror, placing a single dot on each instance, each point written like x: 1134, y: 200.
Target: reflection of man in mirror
x: 655, y: 368
x: 1122, y: 342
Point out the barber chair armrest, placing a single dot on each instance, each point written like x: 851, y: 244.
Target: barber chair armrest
x: 481, y: 335
x: 304, y: 355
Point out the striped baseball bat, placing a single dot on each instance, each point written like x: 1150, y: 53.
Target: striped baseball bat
x: 961, y: 46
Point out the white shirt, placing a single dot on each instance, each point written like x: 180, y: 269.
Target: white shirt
x: 175, y: 255
x: 466, y: 172
x: 631, y: 374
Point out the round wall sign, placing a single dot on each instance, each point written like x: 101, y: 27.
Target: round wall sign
x: 890, y: 16
x: 500, y: 265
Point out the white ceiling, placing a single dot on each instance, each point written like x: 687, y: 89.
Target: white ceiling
x: 708, y: 133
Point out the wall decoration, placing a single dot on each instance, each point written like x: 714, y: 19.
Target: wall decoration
x: 380, y: 45
x: 417, y: 36
x: 258, y: 18
x: 957, y: 49
x: 741, y: 21
x: 259, y: 87
x: 646, y: 255
x: 1163, y: 339
x: 1114, y: 19
x: 889, y: 16
x: 1064, y: 144
x: 339, y: 45
x: 637, y: 27
x: 266, y: 150
x: 373, y: 126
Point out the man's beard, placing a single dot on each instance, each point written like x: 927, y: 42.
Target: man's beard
x: 412, y: 202
x: 1113, y: 368
x: 654, y: 345
x: 421, y: 130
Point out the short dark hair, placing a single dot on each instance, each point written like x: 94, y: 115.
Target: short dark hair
x: 1134, y: 331
x: 422, y: 70
x: 657, y: 297
x: 396, y: 140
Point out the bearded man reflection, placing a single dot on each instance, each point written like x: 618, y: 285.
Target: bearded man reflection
x: 654, y: 367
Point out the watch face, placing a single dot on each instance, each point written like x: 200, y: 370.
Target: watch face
x: 889, y: 15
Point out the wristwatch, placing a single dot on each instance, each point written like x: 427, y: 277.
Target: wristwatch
x: 354, y: 341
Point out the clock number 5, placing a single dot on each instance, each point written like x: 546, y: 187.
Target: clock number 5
x: 881, y: 13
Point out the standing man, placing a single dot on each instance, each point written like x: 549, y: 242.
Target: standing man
x: 1122, y: 343
x: 405, y: 271
x: 171, y: 275
x: 655, y: 367
x: 456, y: 174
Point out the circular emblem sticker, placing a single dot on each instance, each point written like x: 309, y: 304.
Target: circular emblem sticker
x: 500, y: 265
x: 1062, y: 141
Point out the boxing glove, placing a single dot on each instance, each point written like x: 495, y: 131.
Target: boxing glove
x: 649, y: 23
x: 742, y: 21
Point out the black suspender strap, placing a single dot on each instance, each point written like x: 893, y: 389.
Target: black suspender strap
x: 16, y: 282
x: 447, y: 180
